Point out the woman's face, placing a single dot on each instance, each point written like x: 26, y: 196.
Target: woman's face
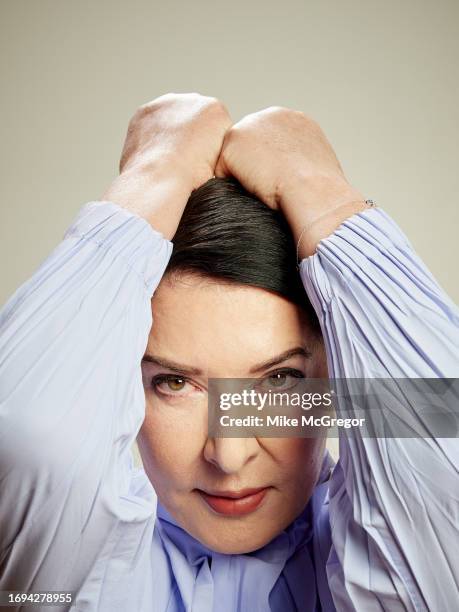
x: 203, y: 329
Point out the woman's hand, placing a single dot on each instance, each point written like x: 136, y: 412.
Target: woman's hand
x: 171, y: 147
x: 284, y: 158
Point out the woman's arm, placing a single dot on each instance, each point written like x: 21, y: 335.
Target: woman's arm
x: 393, y: 501
x: 71, y: 343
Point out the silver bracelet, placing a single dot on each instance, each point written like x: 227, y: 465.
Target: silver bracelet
x: 369, y: 203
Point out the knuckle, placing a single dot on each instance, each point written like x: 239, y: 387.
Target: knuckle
x: 305, y: 118
x: 212, y: 101
x: 232, y: 134
x: 147, y: 108
x: 195, y: 97
x: 277, y: 110
x: 216, y: 106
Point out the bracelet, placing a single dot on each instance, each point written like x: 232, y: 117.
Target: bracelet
x: 369, y: 203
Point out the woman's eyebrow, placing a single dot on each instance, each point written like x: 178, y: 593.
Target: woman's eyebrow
x: 186, y: 369
x: 299, y: 350
x: 171, y: 365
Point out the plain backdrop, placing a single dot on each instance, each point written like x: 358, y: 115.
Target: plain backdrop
x: 380, y: 77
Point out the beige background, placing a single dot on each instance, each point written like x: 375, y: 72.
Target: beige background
x: 380, y: 77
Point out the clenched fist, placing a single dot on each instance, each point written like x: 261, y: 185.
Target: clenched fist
x: 284, y: 158
x: 171, y: 147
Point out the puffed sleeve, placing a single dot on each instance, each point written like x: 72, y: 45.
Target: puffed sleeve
x: 72, y: 400
x: 393, y: 501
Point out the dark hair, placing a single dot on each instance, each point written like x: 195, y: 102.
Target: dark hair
x: 228, y: 234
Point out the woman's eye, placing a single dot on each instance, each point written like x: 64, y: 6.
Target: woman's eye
x: 175, y: 384
x: 172, y: 385
x: 278, y: 380
x: 282, y: 380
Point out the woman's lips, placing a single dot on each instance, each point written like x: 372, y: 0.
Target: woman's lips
x: 235, y: 503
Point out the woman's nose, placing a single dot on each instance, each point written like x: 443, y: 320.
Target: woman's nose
x: 230, y: 454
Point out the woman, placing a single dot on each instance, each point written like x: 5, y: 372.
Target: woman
x: 242, y: 524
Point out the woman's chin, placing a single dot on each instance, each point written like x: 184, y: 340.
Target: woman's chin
x: 235, y: 544
x: 235, y: 534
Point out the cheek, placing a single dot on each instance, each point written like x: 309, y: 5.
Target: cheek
x: 299, y: 459
x: 170, y: 444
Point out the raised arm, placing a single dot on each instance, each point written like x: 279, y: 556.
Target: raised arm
x: 71, y: 343
x: 393, y: 502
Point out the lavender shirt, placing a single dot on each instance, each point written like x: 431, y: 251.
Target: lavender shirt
x: 380, y: 532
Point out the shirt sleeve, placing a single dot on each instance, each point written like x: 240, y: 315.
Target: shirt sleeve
x: 72, y: 400
x: 393, y: 501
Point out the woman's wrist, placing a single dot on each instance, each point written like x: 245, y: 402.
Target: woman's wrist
x: 152, y: 191
x: 316, y: 206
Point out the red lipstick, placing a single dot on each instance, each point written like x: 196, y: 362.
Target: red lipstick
x: 235, y: 503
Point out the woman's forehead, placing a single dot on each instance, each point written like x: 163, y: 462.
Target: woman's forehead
x: 211, y: 323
